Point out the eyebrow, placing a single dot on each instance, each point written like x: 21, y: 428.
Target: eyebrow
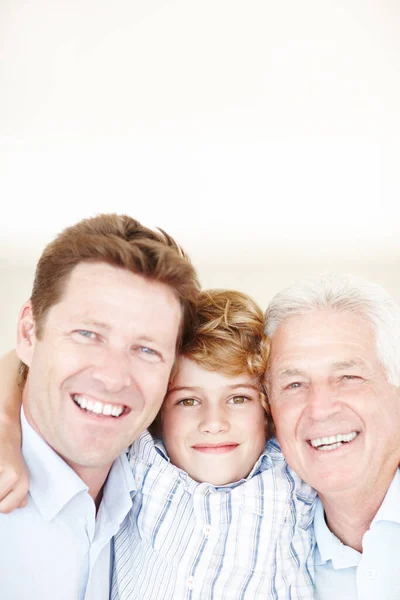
x: 96, y: 324
x: 289, y: 373
x: 195, y: 388
x: 339, y: 366
x: 348, y: 364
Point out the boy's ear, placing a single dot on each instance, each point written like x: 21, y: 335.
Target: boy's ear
x: 26, y: 338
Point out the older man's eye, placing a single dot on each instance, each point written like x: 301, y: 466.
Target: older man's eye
x: 293, y: 385
x: 146, y: 350
x: 188, y: 402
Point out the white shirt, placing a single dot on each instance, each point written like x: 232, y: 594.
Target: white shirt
x: 55, y: 548
x: 185, y: 540
x: 342, y: 572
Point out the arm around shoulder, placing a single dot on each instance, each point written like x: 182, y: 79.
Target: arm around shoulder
x: 14, y: 477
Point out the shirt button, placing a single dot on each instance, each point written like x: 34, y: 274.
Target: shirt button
x: 207, y: 530
x: 190, y: 583
x: 371, y: 574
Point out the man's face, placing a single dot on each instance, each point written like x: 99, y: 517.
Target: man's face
x: 213, y: 425
x: 99, y: 371
x: 337, y: 418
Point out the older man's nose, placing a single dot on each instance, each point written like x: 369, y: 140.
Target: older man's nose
x: 322, y: 403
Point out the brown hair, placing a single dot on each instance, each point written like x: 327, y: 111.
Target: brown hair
x: 120, y: 241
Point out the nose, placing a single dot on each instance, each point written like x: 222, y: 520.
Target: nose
x: 214, y: 420
x: 322, y: 403
x: 113, y: 372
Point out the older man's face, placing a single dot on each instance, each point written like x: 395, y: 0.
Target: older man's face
x: 337, y: 417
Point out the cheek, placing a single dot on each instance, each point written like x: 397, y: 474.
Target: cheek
x: 173, y: 435
x: 169, y: 425
x: 176, y: 426
x: 253, y: 423
x: 60, y: 363
x: 281, y: 420
x: 153, y: 379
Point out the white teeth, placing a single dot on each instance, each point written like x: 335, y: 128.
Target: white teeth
x: 333, y: 440
x: 331, y: 447
x: 98, y: 407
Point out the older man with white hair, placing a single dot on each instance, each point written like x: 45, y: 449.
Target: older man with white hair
x: 334, y: 390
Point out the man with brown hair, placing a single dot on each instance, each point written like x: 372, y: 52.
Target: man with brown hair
x: 110, y: 303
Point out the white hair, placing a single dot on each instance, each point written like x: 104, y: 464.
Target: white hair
x: 344, y: 293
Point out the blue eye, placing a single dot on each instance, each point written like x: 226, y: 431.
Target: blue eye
x: 147, y: 350
x: 87, y: 334
x: 147, y: 353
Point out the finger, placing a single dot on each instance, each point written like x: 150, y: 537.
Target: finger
x: 7, y: 484
x: 24, y: 502
x: 12, y: 501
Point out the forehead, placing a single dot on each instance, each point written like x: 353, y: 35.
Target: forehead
x: 192, y: 374
x: 323, y: 335
x: 103, y: 292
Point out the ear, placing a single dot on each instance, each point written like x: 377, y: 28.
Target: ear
x: 26, y: 338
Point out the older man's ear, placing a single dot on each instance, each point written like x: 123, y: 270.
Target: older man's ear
x: 26, y: 334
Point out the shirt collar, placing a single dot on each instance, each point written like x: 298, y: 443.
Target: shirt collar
x: 52, y: 482
x: 329, y: 547
x: 390, y: 507
x: 159, y: 455
x: 117, y: 496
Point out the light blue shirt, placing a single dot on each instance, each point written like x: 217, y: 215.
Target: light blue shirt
x: 55, y: 548
x: 185, y: 540
x: 342, y: 572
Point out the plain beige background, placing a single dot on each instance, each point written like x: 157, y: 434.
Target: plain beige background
x: 263, y: 135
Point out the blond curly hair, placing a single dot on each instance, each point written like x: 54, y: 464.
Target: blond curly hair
x: 228, y: 336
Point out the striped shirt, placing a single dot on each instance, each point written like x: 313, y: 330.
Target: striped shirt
x: 251, y: 539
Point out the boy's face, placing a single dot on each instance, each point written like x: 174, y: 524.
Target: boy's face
x: 213, y: 425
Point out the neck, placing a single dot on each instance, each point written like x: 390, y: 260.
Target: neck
x: 95, y: 478
x: 349, y: 514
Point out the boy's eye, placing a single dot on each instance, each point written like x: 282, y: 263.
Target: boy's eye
x: 188, y: 402
x: 238, y: 400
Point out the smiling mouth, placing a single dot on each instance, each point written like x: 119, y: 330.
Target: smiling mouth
x: 98, y: 408
x: 333, y: 442
x: 215, y: 448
